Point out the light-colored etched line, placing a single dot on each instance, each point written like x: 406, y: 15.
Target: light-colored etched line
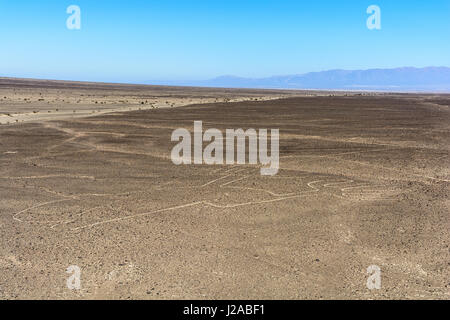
x: 310, y: 184
x: 254, y: 202
x: 36, y: 206
x: 227, y: 183
x: 356, y: 187
x: 72, y: 220
x: 337, y: 183
x: 216, y: 170
x: 50, y: 176
x: 137, y: 215
x: 313, y: 182
x: 211, y: 182
x: 332, y: 155
x: 266, y: 191
x: 232, y: 168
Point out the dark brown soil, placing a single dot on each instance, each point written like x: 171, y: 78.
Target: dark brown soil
x: 363, y: 180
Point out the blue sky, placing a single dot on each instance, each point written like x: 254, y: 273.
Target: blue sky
x: 137, y: 41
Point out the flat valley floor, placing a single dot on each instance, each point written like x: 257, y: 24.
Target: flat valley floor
x: 363, y: 180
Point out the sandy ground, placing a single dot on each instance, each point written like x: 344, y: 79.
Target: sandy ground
x: 363, y: 180
x: 23, y: 100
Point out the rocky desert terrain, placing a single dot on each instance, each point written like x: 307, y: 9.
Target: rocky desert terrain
x: 86, y: 180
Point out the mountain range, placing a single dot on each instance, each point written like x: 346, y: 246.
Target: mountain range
x: 429, y: 79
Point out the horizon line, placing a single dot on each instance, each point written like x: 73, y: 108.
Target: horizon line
x: 168, y: 83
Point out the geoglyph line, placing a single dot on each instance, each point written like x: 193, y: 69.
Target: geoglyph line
x: 137, y: 215
x: 36, y: 206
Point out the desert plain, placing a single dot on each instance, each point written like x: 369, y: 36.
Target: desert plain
x: 86, y: 180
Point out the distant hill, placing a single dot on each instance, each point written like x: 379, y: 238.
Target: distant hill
x: 435, y: 79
